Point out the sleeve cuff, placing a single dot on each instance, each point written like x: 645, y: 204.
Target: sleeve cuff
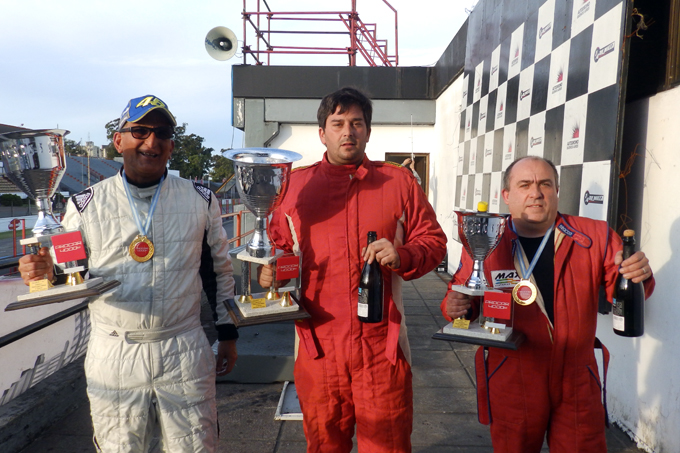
x: 226, y: 332
x: 404, y: 260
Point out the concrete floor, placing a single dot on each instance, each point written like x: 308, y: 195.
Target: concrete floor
x: 445, y: 418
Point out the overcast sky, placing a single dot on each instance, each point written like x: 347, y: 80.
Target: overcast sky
x: 74, y: 64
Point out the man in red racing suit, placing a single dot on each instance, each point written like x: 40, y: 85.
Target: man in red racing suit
x: 347, y: 371
x: 551, y: 383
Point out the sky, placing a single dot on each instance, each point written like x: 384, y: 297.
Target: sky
x: 74, y: 64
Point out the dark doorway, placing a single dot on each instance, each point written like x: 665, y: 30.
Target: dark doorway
x: 421, y: 165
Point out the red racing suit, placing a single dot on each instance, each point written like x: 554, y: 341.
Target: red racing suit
x: 551, y: 383
x: 346, y: 371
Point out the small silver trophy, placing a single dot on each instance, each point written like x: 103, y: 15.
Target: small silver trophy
x: 262, y: 176
x: 479, y: 233
x: 35, y: 162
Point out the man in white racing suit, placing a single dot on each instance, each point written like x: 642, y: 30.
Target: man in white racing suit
x: 149, y: 365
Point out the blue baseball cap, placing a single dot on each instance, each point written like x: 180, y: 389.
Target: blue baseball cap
x: 139, y: 107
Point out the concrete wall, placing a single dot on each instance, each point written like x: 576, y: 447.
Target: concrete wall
x: 445, y: 166
x: 644, y: 385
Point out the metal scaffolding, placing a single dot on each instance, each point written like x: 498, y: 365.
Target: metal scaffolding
x: 363, y: 39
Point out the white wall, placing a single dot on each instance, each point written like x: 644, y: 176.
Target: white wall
x: 644, y: 381
x: 304, y: 139
x: 445, y: 166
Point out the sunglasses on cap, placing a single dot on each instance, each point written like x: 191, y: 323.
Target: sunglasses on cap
x: 142, y: 132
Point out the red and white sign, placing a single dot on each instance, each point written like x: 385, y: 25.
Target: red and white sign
x: 14, y: 224
x: 69, y: 247
x: 287, y: 267
x: 497, y: 305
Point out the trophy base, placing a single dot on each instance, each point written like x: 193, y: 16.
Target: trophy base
x: 476, y: 334
x: 473, y: 292
x: 244, y: 315
x: 273, y: 306
x: 244, y: 255
x: 62, y: 293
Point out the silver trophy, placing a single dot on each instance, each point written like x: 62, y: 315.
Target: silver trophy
x: 479, y: 233
x: 262, y: 176
x: 34, y: 160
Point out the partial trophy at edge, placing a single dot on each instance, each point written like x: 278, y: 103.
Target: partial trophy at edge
x: 34, y: 160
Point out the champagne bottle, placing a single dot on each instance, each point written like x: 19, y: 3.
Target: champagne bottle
x: 629, y: 298
x: 370, y: 305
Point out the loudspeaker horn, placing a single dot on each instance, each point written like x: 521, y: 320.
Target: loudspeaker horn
x: 221, y: 43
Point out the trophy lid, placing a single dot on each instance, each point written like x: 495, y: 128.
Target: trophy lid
x: 262, y: 156
x: 28, y: 133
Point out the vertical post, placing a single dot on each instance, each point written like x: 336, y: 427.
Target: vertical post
x: 23, y: 236
x: 353, y: 35
x: 238, y: 228
x: 14, y: 237
x: 244, y: 32
x: 269, y: 38
x: 396, y: 40
x: 257, y: 31
x: 673, y: 63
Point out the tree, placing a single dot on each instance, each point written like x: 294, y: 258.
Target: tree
x: 190, y: 157
x: 109, y: 149
x: 74, y: 149
x: 222, y: 168
x: 9, y: 199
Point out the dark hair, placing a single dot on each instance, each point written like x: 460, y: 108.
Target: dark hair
x: 506, y: 176
x: 345, y: 98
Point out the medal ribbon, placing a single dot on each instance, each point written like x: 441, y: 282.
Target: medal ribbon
x: 145, y: 228
x: 525, y: 274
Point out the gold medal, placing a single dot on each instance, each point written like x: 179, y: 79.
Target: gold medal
x: 524, y: 292
x: 141, y: 249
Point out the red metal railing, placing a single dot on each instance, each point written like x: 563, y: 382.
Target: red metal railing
x: 363, y: 37
x: 13, y: 224
x: 239, y: 226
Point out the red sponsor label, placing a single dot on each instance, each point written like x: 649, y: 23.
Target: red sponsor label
x: 287, y: 267
x: 524, y: 293
x: 69, y: 247
x: 141, y: 249
x: 497, y: 305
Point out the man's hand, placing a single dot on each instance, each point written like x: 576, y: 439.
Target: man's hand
x: 265, y: 277
x: 36, y: 267
x: 384, y: 252
x: 635, y: 268
x: 457, y: 304
x: 226, y: 357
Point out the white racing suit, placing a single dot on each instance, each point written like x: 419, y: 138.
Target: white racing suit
x: 148, y: 358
